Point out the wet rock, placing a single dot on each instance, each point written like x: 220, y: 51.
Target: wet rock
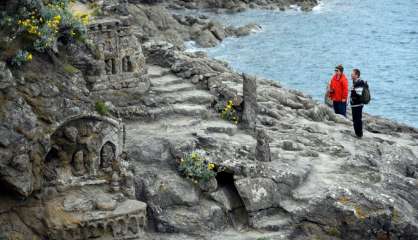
x: 207, y: 39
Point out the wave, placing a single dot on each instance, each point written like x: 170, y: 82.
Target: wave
x: 192, y: 46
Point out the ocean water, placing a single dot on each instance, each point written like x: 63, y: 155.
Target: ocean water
x: 301, y: 49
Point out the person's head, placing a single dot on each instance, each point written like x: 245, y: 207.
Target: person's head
x: 339, y: 69
x: 355, y: 74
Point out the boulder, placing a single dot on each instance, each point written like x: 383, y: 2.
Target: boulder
x: 258, y: 193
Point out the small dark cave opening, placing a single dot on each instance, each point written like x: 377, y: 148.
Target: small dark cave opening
x: 238, y: 215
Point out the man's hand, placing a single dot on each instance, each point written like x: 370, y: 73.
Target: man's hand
x: 344, y: 100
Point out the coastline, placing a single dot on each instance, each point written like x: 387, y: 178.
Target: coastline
x: 301, y: 175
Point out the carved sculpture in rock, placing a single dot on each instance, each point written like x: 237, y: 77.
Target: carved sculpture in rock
x: 78, y: 163
x: 98, y: 146
x: 107, y: 155
x: 115, y: 184
x: 120, y: 55
x: 129, y: 185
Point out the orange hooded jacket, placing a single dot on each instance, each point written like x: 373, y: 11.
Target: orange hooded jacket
x: 338, y: 88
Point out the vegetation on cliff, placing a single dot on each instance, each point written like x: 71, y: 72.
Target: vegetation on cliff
x: 37, y: 27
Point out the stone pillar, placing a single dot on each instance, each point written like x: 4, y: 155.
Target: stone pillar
x: 249, y: 115
x: 262, y: 149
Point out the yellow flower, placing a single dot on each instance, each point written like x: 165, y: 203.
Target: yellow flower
x: 211, y: 166
x: 29, y: 57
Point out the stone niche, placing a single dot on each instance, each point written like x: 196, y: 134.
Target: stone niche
x: 120, y: 61
x: 95, y: 193
x: 84, y: 148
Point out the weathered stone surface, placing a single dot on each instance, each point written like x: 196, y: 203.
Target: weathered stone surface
x: 78, y: 203
x: 249, y: 115
x: 189, y: 219
x: 6, y: 77
x: 262, y: 150
x: 258, y: 193
x: 166, y: 190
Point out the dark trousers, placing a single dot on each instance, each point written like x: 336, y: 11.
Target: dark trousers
x: 340, y: 108
x: 357, y: 120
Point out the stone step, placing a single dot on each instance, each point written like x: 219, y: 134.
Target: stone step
x: 173, y: 88
x: 166, y: 80
x: 191, y: 97
x: 189, y: 109
x: 156, y: 71
x: 220, y: 126
x: 180, y: 109
x: 273, y: 223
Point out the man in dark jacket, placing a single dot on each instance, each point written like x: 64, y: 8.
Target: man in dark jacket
x: 356, y: 102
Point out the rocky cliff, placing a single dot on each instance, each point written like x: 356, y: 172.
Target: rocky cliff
x: 92, y: 137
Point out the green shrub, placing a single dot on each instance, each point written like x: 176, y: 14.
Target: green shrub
x: 196, y: 167
x: 229, y: 113
x: 101, y: 108
x: 21, y: 58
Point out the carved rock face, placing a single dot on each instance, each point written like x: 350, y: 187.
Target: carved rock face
x: 78, y: 163
x: 107, y: 155
x: 71, y: 133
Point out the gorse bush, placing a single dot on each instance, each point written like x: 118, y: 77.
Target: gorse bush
x: 196, y: 167
x: 229, y: 113
x: 39, y: 25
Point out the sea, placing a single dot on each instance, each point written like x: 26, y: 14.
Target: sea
x: 301, y: 49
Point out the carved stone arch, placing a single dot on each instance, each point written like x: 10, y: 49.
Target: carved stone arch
x: 87, y: 133
x: 123, y: 227
x: 130, y: 64
x: 107, y: 154
x: 141, y: 221
x: 133, y: 225
x: 111, y: 228
x: 88, y: 117
x: 93, y: 231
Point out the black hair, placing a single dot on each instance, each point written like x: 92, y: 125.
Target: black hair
x: 340, y: 67
x: 357, y: 71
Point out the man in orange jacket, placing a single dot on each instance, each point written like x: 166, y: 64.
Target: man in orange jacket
x: 338, y: 91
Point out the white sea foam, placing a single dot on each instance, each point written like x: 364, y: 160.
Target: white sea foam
x: 295, y: 8
x: 191, y: 46
x: 319, y: 8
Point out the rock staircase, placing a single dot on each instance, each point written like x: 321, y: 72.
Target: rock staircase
x: 168, y: 95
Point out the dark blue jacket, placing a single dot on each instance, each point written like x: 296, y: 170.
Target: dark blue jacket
x: 356, y: 92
